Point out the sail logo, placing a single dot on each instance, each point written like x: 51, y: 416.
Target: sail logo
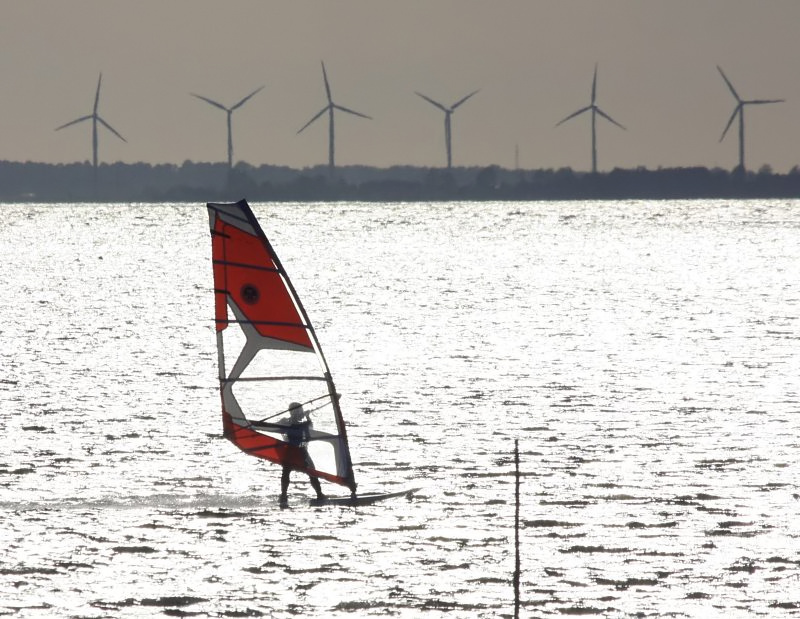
x: 250, y: 294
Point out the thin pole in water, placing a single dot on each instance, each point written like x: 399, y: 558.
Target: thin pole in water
x: 516, y: 529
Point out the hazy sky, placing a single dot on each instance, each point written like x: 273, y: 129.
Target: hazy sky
x: 532, y: 61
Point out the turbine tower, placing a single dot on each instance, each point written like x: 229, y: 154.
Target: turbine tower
x: 739, y: 110
x: 229, y: 111
x: 95, y: 118
x: 330, y: 107
x: 448, y: 112
x: 592, y: 107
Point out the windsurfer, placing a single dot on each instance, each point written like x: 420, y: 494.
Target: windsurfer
x: 297, y: 429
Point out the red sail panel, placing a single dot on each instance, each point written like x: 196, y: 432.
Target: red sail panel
x: 245, y: 273
x: 274, y: 450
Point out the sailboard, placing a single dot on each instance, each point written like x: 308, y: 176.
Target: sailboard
x: 270, y: 359
x: 362, y: 499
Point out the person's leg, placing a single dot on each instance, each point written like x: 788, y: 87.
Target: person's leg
x: 314, y: 481
x: 317, y: 488
x: 285, y: 482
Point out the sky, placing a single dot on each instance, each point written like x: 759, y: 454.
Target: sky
x: 532, y: 61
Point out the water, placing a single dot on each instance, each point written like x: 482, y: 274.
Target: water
x: 644, y: 354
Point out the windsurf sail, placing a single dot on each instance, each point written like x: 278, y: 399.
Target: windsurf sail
x: 269, y: 357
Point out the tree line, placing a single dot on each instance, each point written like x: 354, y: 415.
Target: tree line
x: 197, y: 181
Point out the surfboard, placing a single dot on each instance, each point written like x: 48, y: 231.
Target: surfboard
x: 361, y: 499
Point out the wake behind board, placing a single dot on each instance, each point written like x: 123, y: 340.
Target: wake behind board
x: 362, y: 499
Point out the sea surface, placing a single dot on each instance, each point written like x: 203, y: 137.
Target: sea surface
x: 646, y: 356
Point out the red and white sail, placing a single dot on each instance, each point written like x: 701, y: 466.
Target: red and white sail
x: 269, y: 355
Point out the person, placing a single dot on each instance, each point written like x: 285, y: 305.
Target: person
x: 297, y: 430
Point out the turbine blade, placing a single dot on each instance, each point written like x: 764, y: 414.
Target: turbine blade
x: 460, y: 101
x: 431, y: 101
x: 207, y: 100
x: 321, y: 112
x: 349, y: 111
x: 738, y: 110
x: 110, y: 128
x: 762, y: 101
x: 574, y: 114
x: 728, y: 82
x: 243, y: 101
x: 327, y: 85
x: 594, y: 84
x: 97, y: 94
x: 608, y: 118
x: 73, y: 122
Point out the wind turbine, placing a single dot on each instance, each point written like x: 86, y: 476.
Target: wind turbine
x: 330, y: 108
x: 740, y: 103
x: 448, y: 112
x: 595, y: 111
x: 229, y: 111
x: 95, y: 118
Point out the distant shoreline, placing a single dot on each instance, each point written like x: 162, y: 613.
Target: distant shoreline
x: 192, y: 182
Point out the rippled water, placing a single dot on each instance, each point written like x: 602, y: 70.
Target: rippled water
x: 644, y: 354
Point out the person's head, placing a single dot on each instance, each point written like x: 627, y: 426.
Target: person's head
x: 296, y: 411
